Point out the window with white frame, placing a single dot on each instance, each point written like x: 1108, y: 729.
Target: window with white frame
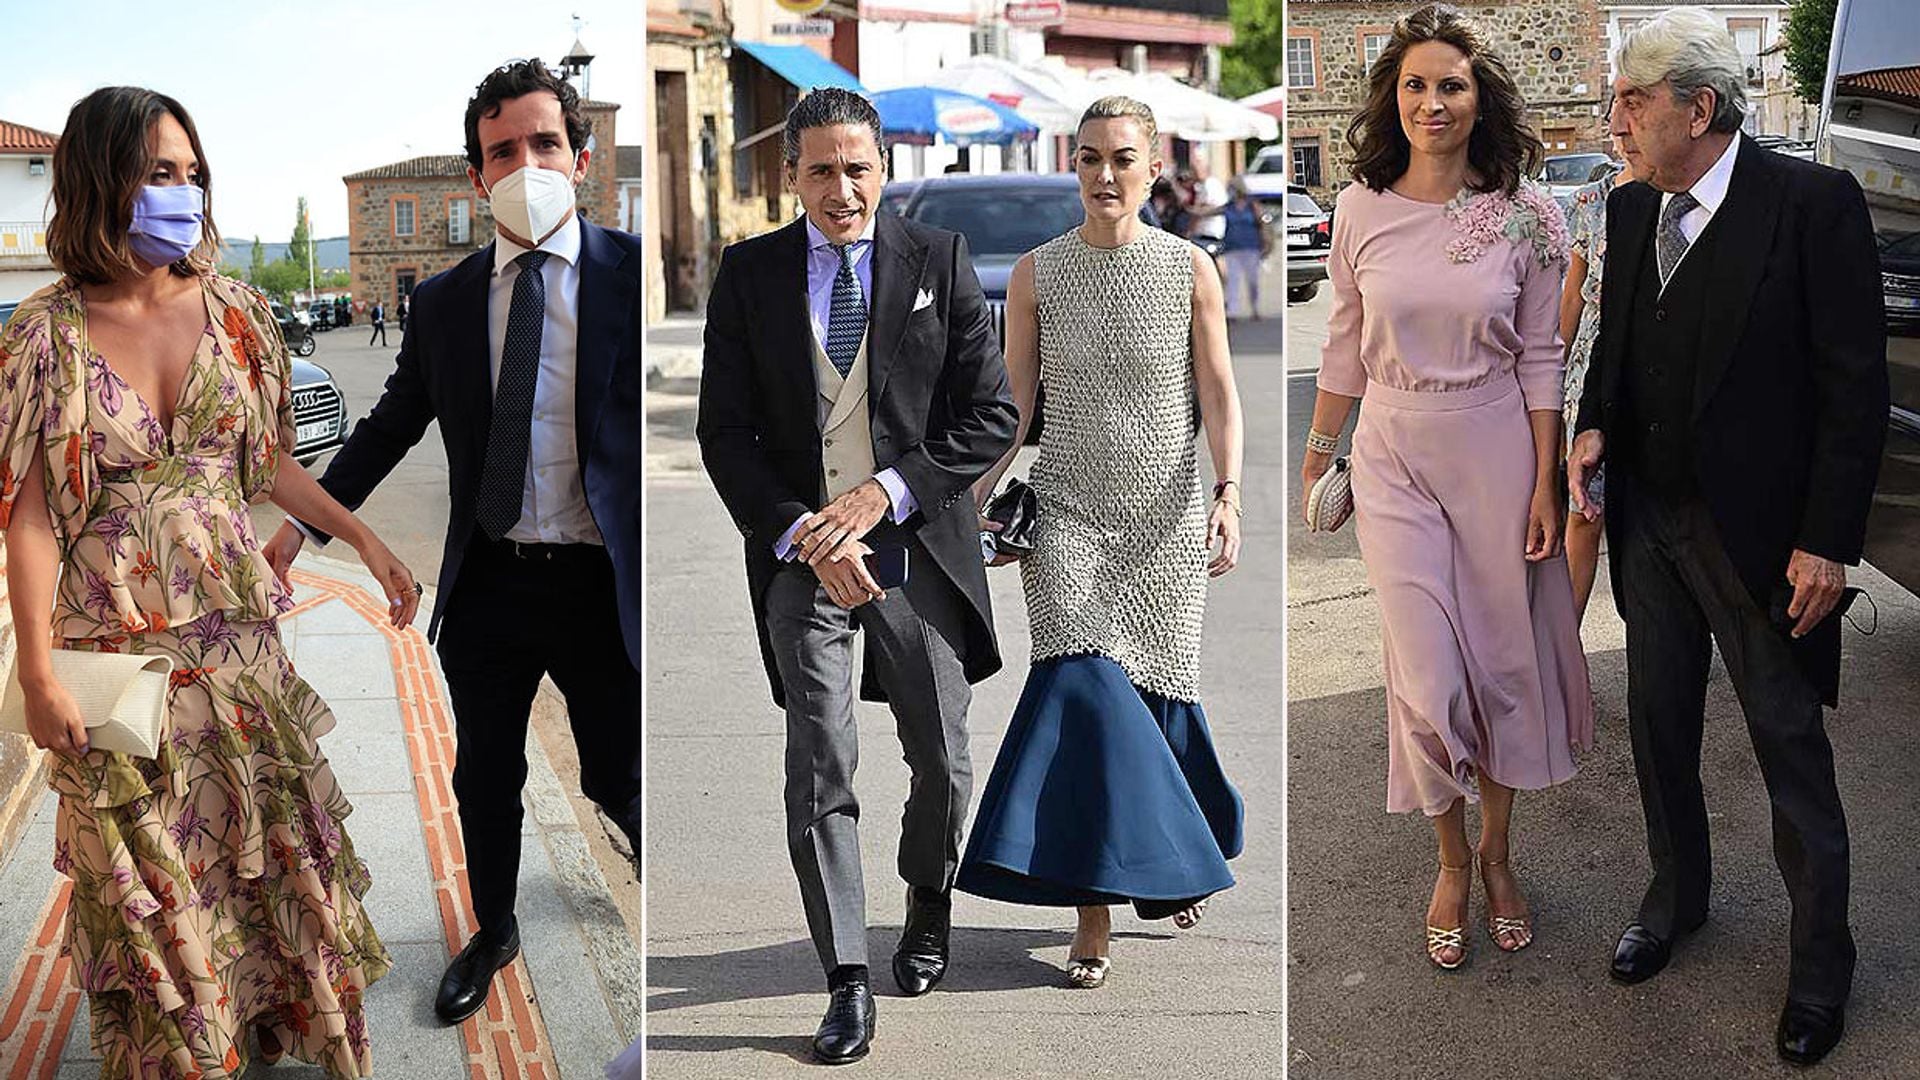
x: 1371, y: 46
x: 403, y: 213
x: 460, y: 221
x: 1300, y: 63
x: 1306, y: 159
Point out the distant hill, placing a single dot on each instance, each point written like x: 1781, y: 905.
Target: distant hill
x: 328, y: 254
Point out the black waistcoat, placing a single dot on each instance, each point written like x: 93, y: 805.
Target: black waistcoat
x: 1662, y: 344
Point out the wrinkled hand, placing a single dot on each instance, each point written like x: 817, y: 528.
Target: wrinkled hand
x: 403, y: 601
x: 1817, y: 585
x: 1223, y: 525
x: 1588, y: 448
x: 282, y: 549
x: 1543, y: 524
x: 841, y: 522
x: 1316, y: 466
x: 54, y: 722
x: 844, y: 575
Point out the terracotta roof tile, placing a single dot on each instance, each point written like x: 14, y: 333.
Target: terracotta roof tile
x: 431, y: 166
x: 1898, y: 84
x: 20, y: 139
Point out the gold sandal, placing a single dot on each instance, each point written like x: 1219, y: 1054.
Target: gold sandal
x: 1503, y: 929
x: 1440, y: 937
x: 1189, y: 918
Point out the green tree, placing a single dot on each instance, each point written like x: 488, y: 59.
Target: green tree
x: 1252, y: 63
x: 256, y: 261
x: 301, y: 246
x: 280, y: 278
x: 1809, y: 35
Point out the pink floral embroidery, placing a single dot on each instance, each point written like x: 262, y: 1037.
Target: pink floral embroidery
x: 1486, y: 218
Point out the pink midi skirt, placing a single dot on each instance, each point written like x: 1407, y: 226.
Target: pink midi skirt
x: 1485, y: 674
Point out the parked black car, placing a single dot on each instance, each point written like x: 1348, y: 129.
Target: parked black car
x: 1309, y: 237
x: 1003, y: 217
x: 319, y: 412
x: 295, y: 328
x: 320, y: 314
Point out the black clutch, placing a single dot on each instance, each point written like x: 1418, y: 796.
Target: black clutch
x: 1014, y: 509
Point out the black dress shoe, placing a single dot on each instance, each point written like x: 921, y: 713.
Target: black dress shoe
x: 847, y: 1029
x: 1807, y: 1031
x: 1640, y: 955
x: 921, y: 959
x: 463, y: 989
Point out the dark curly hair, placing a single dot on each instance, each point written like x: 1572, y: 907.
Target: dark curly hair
x: 1501, y: 151
x: 518, y: 79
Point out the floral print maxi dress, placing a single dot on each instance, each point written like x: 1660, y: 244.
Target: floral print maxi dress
x: 214, y: 887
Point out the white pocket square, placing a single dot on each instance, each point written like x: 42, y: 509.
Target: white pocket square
x: 923, y: 299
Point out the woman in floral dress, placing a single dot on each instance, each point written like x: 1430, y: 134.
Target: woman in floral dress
x: 144, y: 405
x: 1446, y: 283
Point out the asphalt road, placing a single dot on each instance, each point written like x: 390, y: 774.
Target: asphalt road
x: 1364, y: 1001
x: 734, y: 988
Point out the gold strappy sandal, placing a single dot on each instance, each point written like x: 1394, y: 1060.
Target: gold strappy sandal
x: 1190, y: 917
x: 1502, y: 929
x: 1087, y: 972
x: 1439, y: 937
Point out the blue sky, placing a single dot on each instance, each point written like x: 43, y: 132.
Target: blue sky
x: 290, y: 97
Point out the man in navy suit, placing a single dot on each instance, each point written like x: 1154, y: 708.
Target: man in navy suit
x: 528, y: 354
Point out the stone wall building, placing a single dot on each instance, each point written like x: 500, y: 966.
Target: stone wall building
x: 1556, y: 49
x: 413, y: 219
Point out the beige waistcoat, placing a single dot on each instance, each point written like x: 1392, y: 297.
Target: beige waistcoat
x: 846, y: 431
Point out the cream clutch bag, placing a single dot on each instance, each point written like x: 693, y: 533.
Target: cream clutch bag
x: 1330, y: 502
x: 122, y: 698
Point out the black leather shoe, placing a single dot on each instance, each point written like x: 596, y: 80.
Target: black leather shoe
x: 1640, y: 955
x: 921, y: 959
x: 1807, y: 1031
x: 847, y: 1029
x: 463, y: 989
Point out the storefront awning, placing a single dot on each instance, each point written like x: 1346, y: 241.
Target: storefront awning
x: 801, y: 66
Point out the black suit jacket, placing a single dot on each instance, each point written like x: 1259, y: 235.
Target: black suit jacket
x: 444, y: 373
x: 938, y: 402
x: 1790, y: 391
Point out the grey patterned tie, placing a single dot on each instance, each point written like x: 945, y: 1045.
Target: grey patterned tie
x: 503, y: 478
x: 1670, y: 242
x: 847, y: 318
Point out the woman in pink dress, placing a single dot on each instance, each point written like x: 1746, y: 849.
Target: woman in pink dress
x: 1446, y: 268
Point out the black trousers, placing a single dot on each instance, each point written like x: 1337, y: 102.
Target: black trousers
x: 511, y: 620
x: 1681, y: 595
x: 379, y: 331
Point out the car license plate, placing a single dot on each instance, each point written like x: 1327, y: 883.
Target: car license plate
x: 1904, y: 303
x: 1299, y: 240
x: 323, y: 429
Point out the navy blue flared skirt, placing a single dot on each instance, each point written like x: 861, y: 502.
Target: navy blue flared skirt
x: 1102, y: 793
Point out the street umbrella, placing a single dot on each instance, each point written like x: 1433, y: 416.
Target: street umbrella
x: 915, y: 114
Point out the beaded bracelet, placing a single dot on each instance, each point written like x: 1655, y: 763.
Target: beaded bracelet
x: 1321, y: 443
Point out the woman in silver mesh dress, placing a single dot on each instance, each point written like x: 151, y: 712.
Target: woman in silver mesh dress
x: 1106, y: 789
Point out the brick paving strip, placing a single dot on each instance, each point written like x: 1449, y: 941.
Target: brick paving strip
x: 505, y: 1041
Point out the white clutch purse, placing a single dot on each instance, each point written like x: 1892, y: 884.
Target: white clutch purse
x: 122, y: 698
x: 1330, y: 503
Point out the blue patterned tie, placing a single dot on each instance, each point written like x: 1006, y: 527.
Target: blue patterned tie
x: 847, y: 319
x: 503, y: 478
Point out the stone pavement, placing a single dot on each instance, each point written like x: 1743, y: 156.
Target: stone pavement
x: 562, y: 1011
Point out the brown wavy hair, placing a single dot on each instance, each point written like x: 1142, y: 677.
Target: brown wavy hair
x: 100, y: 164
x: 1501, y: 151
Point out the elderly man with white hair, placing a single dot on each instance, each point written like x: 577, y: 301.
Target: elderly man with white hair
x: 1738, y: 394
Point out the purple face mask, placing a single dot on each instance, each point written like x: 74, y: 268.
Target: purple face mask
x: 166, y: 222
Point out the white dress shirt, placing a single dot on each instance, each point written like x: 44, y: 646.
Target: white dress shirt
x: 553, y: 506
x: 1709, y: 191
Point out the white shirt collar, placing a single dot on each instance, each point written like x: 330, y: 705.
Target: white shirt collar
x: 818, y: 239
x: 565, y: 243
x: 1711, y: 189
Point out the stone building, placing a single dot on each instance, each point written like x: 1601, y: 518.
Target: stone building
x: 413, y: 219
x: 1556, y: 49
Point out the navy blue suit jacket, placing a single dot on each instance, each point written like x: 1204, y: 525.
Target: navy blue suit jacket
x: 444, y: 373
